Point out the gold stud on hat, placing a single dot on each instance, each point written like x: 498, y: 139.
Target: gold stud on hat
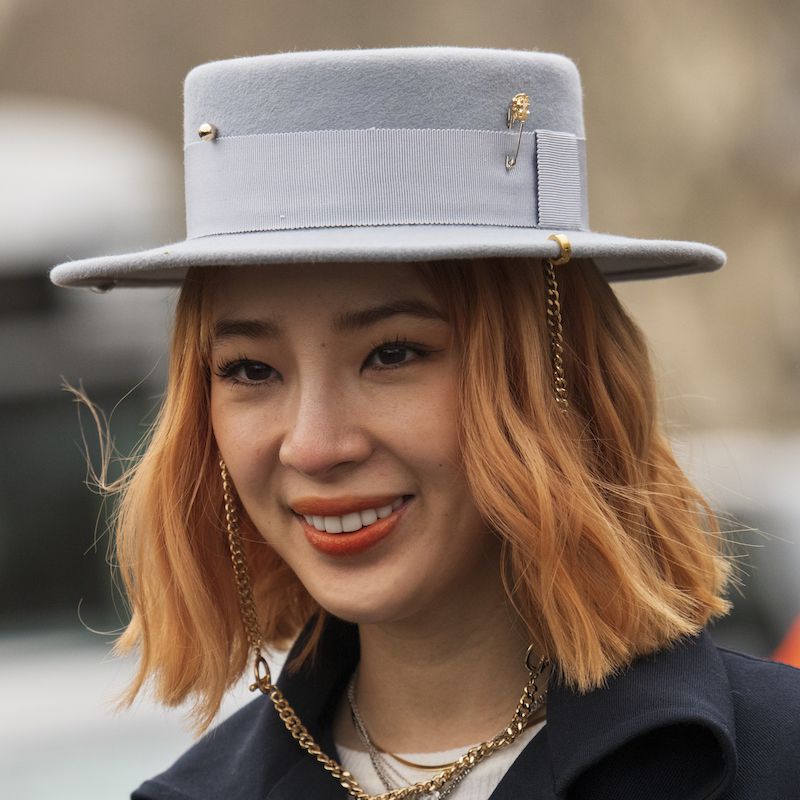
x: 207, y: 132
x: 519, y: 109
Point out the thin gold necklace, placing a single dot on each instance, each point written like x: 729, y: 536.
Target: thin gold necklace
x: 434, y: 767
x: 371, y: 744
x: 383, y: 766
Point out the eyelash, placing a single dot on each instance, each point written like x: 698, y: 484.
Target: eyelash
x: 226, y: 369
x: 398, y: 344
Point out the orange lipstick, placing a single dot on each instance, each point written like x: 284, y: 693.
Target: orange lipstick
x: 348, y: 544
x: 336, y: 506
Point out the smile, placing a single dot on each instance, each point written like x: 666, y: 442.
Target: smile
x: 364, y: 523
x: 354, y: 521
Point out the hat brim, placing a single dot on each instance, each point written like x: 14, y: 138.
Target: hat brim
x: 617, y: 257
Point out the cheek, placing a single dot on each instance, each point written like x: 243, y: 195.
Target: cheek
x: 244, y: 434
x: 245, y: 437
x: 429, y: 422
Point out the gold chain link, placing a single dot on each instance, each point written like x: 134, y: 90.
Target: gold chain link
x: 556, y: 338
x: 554, y: 325
x: 532, y: 698
x: 247, y: 605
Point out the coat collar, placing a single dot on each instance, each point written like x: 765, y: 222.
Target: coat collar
x: 665, y: 723
x: 662, y: 729
x: 663, y: 726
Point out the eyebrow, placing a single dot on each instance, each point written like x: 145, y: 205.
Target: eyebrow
x: 245, y: 328
x: 363, y: 318
x: 265, y: 328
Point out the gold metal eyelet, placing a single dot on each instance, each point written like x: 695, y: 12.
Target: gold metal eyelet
x: 566, y: 249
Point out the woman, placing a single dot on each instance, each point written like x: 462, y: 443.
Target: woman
x: 410, y: 427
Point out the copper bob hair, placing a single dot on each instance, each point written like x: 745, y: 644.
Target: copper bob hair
x: 609, y: 552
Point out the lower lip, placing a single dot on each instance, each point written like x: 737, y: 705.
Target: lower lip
x: 348, y: 544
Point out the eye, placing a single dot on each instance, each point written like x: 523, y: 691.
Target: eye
x: 390, y: 355
x: 245, y: 371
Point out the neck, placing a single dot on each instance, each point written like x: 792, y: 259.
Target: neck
x: 442, y: 679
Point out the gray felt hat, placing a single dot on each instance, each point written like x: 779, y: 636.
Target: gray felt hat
x: 386, y: 155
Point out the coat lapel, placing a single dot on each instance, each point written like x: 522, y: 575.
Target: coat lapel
x: 663, y: 729
x: 530, y: 776
x: 313, y: 692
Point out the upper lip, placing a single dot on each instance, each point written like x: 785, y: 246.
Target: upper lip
x: 337, y: 506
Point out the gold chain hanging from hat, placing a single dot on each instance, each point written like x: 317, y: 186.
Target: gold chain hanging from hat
x: 554, y: 325
x: 532, y: 697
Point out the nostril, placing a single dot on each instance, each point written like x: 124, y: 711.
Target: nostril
x: 316, y: 451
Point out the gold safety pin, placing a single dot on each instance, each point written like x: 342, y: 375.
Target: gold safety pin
x: 519, y: 109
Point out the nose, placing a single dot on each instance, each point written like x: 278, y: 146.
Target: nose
x: 324, y: 432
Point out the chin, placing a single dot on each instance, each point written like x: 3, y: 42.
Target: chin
x: 371, y: 610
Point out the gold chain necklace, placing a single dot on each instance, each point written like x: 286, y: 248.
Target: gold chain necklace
x: 534, y: 719
x: 532, y: 697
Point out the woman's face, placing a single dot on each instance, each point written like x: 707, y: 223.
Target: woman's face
x: 334, y: 404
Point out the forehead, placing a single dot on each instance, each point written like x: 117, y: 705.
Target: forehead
x: 282, y: 288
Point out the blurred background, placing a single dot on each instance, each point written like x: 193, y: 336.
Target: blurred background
x: 693, y: 123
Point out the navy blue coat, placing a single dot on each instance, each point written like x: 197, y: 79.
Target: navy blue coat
x: 695, y: 721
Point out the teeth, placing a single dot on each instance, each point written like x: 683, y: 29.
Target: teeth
x: 349, y: 523
x: 333, y: 524
x: 369, y: 516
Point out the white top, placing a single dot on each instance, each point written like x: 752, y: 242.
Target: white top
x: 479, y: 784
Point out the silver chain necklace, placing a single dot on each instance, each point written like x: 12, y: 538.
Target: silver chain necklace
x: 382, y: 765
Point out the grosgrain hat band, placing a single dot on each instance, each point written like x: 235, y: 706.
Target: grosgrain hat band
x: 384, y: 176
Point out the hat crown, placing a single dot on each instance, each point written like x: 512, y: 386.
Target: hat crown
x: 417, y: 87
